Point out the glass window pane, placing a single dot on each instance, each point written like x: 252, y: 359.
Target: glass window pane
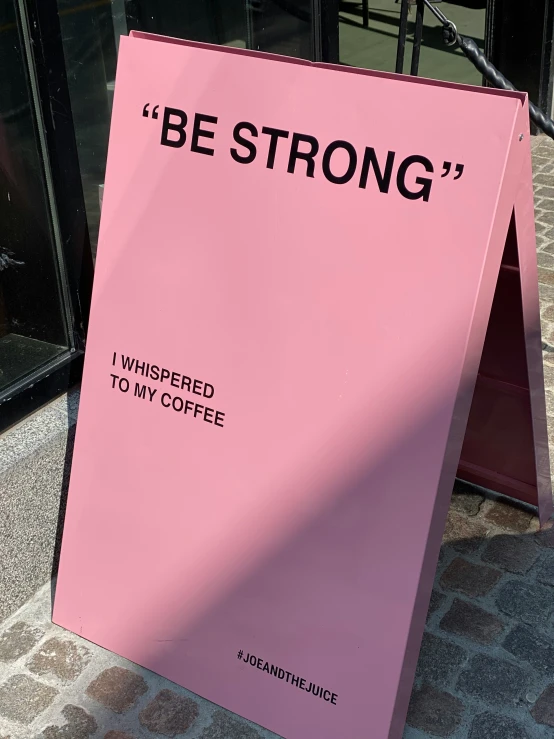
x: 32, y: 319
x: 90, y: 57
x: 91, y: 32
x: 282, y: 27
x: 374, y: 46
x: 442, y: 62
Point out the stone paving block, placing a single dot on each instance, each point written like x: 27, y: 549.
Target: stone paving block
x: 495, y: 681
x: 117, y: 688
x: 18, y: 640
x: 511, y: 553
x: 548, y: 218
x: 465, y: 498
x: 435, y: 711
x: 543, y: 179
x: 469, y: 578
x: 545, y: 260
x: 169, y: 714
x: 61, y: 658
x: 528, y: 602
x: 507, y: 515
x: 79, y: 725
x: 439, y: 660
x: 543, y: 710
x: 549, y: 399
x: 545, y: 192
x: 545, y: 246
x: 546, y: 295
x: 467, y: 619
x: 118, y: 735
x: 546, y: 276
x: 226, y: 726
x: 548, y: 168
x: 462, y: 533
x: 495, y: 726
x: 548, y: 371
x: 22, y: 698
x: 544, y: 571
x: 532, y: 646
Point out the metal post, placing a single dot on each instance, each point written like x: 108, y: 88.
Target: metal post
x: 402, y: 32
x: 418, y: 36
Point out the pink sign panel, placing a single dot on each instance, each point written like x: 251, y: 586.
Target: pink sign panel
x: 295, y: 274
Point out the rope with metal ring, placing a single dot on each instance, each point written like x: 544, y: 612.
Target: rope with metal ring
x: 451, y: 37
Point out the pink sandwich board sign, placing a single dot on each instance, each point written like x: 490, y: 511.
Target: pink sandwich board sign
x: 302, y: 278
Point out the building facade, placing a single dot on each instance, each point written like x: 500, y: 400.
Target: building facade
x: 58, y: 66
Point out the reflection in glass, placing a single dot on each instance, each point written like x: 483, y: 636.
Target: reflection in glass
x: 281, y: 27
x: 91, y: 32
x: 90, y: 58
x: 374, y: 46
x: 32, y: 319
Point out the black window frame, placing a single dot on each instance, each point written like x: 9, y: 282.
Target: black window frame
x: 39, y: 29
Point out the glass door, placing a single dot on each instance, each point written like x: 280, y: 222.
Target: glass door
x: 34, y: 305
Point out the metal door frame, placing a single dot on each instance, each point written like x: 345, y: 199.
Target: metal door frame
x: 39, y: 29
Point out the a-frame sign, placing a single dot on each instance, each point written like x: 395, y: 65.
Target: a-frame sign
x: 506, y: 444
x: 295, y: 275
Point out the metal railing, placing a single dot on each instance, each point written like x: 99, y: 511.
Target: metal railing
x: 469, y: 48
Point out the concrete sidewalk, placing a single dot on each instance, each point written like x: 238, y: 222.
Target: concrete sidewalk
x: 486, y: 668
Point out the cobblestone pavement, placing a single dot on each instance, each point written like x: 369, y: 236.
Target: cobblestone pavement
x: 486, y: 668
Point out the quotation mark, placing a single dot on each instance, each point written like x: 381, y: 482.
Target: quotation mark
x: 240, y: 653
x: 146, y: 112
x: 448, y: 166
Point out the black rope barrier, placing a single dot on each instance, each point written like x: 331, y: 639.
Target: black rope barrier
x: 472, y: 52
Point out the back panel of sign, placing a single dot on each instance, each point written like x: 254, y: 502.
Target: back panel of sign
x: 292, y: 289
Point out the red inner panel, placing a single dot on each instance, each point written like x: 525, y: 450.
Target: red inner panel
x: 498, y: 450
